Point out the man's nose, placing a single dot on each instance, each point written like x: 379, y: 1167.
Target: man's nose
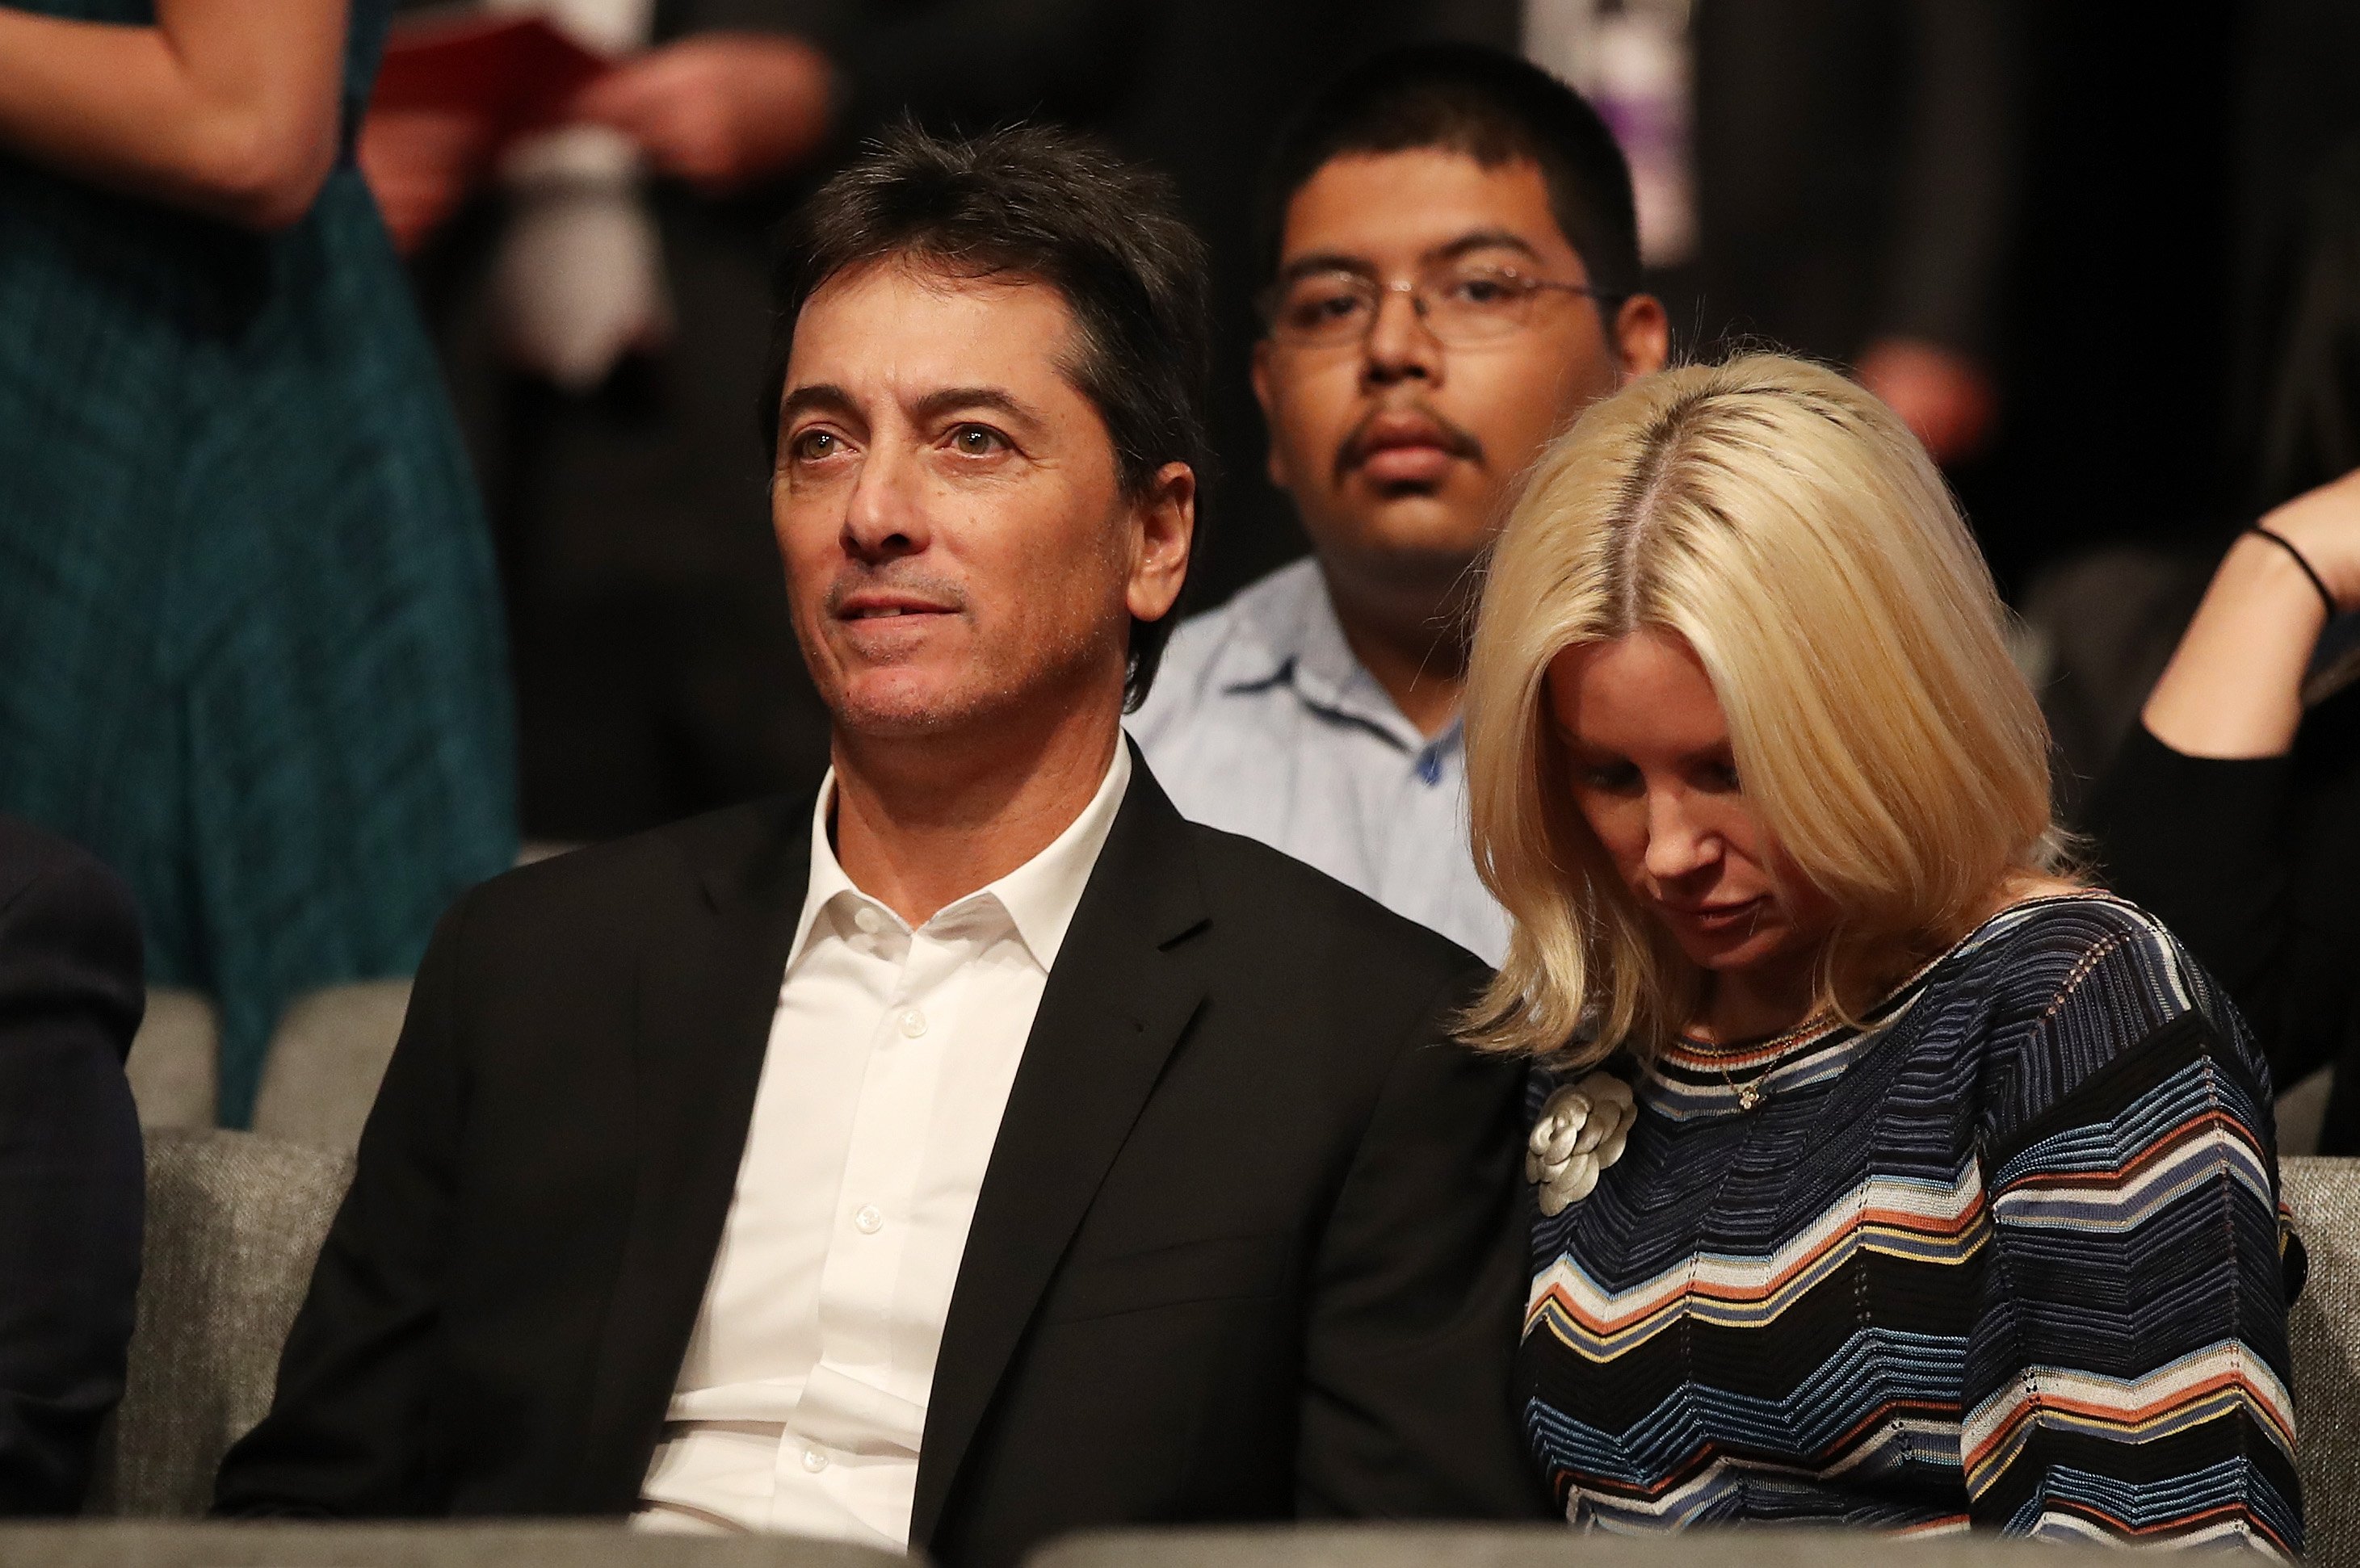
x: 1400, y: 346
x: 885, y: 516
x: 1677, y: 843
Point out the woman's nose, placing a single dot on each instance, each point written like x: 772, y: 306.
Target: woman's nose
x: 1677, y: 845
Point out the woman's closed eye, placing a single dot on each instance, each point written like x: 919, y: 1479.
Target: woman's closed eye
x: 1613, y: 776
x: 1719, y: 778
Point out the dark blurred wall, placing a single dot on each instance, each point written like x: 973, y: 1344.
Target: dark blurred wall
x: 2112, y: 336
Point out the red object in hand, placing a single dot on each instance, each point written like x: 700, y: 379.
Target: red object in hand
x: 513, y: 74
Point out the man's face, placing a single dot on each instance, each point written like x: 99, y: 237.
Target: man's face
x: 1398, y: 449
x: 947, y: 503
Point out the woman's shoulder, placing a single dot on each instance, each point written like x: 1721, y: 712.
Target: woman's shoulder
x: 2038, y: 950
x: 2074, y: 983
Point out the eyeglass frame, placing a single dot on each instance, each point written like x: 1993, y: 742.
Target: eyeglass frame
x: 1267, y: 302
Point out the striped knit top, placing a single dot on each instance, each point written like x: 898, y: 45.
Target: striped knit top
x: 2008, y: 1258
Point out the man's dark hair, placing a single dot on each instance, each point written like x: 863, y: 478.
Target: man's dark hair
x: 1494, y: 107
x: 1031, y: 202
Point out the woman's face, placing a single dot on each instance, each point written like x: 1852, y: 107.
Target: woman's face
x: 1652, y: 772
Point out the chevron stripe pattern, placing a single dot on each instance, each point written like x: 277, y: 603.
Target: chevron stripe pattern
x: 2005, y: 1256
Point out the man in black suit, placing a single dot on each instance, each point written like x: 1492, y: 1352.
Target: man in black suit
x: 73, y: 1184
x: 1087, y: 1168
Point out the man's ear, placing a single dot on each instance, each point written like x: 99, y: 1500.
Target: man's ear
x: 1275, y: 465
x: 1164, y: 525
x: 1642, y: 336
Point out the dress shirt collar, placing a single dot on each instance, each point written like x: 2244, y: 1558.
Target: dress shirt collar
x: 1038, y: 898
x: 1289, y: 635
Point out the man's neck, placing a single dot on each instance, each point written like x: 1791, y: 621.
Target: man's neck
x: 921, y: 822
x: 1412, y: 644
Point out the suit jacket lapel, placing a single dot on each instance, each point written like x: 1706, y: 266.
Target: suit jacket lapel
x: 1123, y: 990
x: 706, y: 993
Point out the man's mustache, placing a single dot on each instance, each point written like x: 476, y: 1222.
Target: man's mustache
x: 1357, y: 445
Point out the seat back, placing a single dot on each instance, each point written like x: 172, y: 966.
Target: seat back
x: 1548, y: 1546
x: 2324, y: 1194
x: 326, y: 1059
x: 175, y: 1061
x: 184, y: 1544
x: 234, y: 1222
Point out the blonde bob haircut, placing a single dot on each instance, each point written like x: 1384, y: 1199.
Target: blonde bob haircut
x: 1787, y: 525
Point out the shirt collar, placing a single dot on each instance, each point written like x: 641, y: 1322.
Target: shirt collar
x: 1039, y: 898
x: 1293, y: 636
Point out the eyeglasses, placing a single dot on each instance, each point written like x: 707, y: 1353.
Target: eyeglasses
x: 1461, y: 304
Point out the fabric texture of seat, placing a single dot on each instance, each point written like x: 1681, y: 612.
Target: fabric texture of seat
x: 326, y: 1059
x: 212, y: 1545
x: 175, y: 1061
x: 1545, y: 1546
x: 234, y: 1224
x: 2325, y: 1336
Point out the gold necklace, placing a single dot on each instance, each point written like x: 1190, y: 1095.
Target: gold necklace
x: 1752, y: 1092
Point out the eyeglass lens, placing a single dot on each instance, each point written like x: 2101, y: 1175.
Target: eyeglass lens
x: 1459, y: 305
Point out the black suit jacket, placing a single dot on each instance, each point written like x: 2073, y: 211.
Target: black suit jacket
x: 73, y: 1184
x: 1248, y: 1246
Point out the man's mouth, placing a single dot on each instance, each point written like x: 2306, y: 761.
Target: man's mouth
x: 887, y: 608
x: 1407, y: 448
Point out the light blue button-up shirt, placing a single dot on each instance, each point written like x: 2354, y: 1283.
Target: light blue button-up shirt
x: 1262, y: 723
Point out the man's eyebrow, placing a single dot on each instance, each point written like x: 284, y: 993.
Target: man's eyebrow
x: 821, y: 396
x: 1314, y: 262
x: 1320, y: 261
x: 998, y: 400
x: 1483, y: 239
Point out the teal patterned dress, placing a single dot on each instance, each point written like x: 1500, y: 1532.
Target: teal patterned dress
x: 250, y: 646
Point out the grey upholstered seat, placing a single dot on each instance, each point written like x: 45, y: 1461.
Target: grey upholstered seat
x: 2325, y: 1197
x: 326, y: 1060
x: 1544, y: 1546
x: 194, y: 1545
x: 234, y: 1224
x: 175, y: 1061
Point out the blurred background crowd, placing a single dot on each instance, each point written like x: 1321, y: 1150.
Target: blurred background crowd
x: 2107, y: 265
x: 2103, y: 268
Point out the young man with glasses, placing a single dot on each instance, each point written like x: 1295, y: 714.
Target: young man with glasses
x: 1454, y: 274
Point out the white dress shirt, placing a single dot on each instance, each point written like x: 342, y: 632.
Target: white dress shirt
x: 1262, y: 723
x: 801, y: 1401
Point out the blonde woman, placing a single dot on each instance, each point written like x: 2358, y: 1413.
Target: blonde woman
x: 1885, y: 1176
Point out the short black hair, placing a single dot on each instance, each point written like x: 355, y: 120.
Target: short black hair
x: 1491, y: 107
x: 1059, y: 208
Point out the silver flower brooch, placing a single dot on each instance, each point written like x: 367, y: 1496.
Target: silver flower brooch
x: 1581, y: 1132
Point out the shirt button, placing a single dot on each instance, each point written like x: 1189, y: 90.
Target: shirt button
x: 870, y: 1220
x: 867, y: 920
x: 913, y: 1023
x: 815, y: 1461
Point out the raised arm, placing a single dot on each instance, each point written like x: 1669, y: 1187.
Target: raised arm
x: 229, y: 108
x: 2234, y: 688
x: 2197, y: 819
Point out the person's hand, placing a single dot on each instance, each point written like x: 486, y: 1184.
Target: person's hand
x: 2324, y: 524
x: 719, y: 110
x: 1941, y: 395
x: 419, y: 165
